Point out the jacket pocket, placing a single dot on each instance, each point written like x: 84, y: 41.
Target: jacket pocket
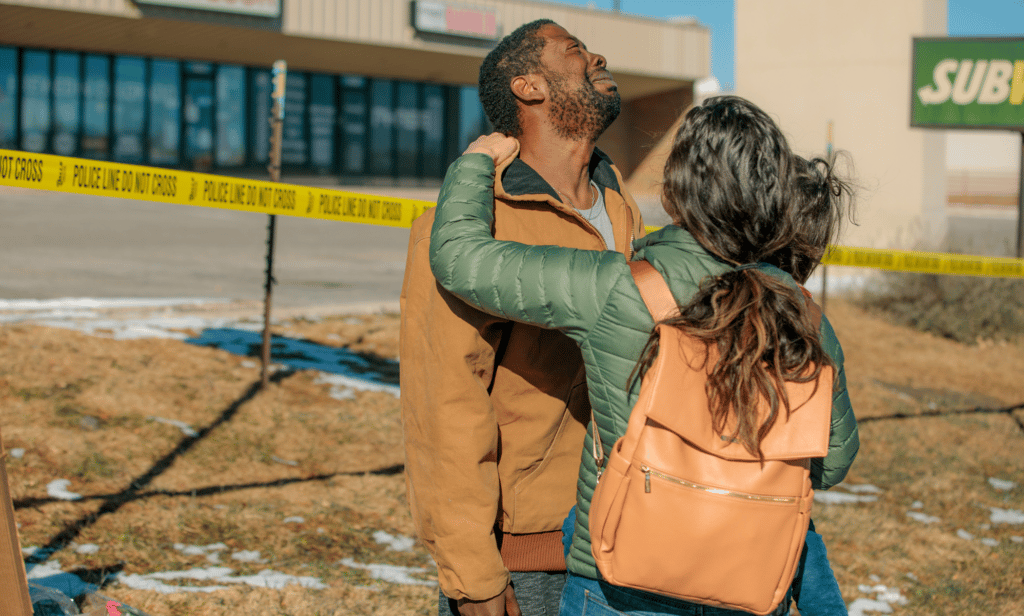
x: 543, y: 496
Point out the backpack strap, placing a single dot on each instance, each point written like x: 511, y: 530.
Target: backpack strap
x: 661, y: 304
x: 653, y: 289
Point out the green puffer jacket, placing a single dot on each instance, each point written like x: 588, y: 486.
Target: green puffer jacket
x: 591, y: 296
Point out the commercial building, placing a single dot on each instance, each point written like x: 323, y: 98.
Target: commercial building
x: 378, y: 91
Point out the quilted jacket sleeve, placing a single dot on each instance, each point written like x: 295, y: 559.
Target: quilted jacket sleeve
x: 844, y: 440
x: 549, y: 286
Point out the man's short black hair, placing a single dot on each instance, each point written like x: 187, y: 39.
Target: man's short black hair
x: 517, y: 54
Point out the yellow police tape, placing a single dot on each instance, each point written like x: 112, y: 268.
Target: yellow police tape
x: 91, y: 177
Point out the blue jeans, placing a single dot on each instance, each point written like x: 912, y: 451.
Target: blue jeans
x: 814, y: 589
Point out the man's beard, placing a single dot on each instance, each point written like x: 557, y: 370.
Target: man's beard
x: 581, y: 114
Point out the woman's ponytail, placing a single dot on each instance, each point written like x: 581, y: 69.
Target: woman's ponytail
x: 759, y: 334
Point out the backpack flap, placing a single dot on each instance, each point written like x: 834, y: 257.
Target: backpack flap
x: 677, y: 399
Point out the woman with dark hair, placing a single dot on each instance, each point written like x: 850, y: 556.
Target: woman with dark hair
x: 750, y: 222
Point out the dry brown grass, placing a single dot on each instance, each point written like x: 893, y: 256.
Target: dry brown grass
x: 80, y: 406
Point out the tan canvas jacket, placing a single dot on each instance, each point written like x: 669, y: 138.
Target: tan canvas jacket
x: 494, y: 412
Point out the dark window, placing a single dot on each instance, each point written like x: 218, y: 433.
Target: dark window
x: 96, y: 108
x: 8, y: 97
x: 407, y: 133
x: 294, y: 145
x: 129, y: 109
x: 433, y: 131
x: 472, y: 121
x: 382, y: 124
x: 260, y: 107
x: 35, y: 101
x: 199, y: 122
x: 164, y: 112
x: 322, y: 110
x: 353, y: 125
x: 67, y: 102
x: 230, y: 116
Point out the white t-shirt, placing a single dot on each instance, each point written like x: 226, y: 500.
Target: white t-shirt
x: 598, y: 217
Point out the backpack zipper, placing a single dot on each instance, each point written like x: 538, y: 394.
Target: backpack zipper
x: 648, y: 471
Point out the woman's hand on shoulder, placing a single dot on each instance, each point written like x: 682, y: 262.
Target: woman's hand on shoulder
x: 496, y: 145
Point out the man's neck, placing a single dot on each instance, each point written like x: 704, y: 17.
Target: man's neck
x: 563, y: 164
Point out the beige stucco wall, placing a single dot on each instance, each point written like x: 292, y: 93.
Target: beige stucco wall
x: 809, y: 62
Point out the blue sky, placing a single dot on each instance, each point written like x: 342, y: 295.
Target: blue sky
x: 965, y: 18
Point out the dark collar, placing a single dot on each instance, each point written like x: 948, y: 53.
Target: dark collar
x: 521, y: 179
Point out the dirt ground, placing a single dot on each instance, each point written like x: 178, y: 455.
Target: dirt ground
x: 310, y: 481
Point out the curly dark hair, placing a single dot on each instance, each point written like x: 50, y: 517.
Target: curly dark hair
x: 732, y: 181
x: 517, y: 54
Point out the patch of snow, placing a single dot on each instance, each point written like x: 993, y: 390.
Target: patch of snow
x: 96, y: 303
x: 866, y: 488
x: 342, y: 393
x: 29, y: 550
x: 296, y: 519
x: 342, y: 382
x: 963, y: 534
x: 17, y: 453
x: 884, y: 599
x: 209, y: 551
x: 924, y: 518
x: 397, y: 543
x: 58, y: 488
x: 217, y: 575
x: 42, y: 570
x: 333, y: 337
x: 911, y: 576
x: 1001, y: 484
x: 841, y: 498
x: 873, y: 578
x: 139, y: 582
x: 1017, y: 539
x: 248, y: 556
x: 391, y: 573
x: 283, y: 461
x: 862, y: 606
x: 87, y: 548
x: 1006, y: 516
x: 917, y: 505
x: 990, y: 542
x: 248, y: 364
x: 181, y: 425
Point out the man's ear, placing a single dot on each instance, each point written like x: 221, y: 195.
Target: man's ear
x: 531, y: 88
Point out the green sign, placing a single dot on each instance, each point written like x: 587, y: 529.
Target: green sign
x: 968, y: 83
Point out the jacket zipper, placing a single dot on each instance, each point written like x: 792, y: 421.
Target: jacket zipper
x: 648, y: 471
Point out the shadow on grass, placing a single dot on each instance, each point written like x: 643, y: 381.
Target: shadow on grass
x: 386, y: 471
x: 1009, y: 410
x: 134, y: 491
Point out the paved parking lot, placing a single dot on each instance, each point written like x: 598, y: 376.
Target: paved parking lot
x: 56, y: 245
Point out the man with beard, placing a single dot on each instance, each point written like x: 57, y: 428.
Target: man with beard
x: 494, y: 413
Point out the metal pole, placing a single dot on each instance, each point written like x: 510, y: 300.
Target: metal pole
x: 1020, y: 202
x: 824, y: 287
x: 279, y: 73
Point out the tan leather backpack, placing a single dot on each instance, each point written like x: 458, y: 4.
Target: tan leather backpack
x: 679, y: 510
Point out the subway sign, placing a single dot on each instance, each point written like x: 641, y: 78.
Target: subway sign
x: 968, y: 83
